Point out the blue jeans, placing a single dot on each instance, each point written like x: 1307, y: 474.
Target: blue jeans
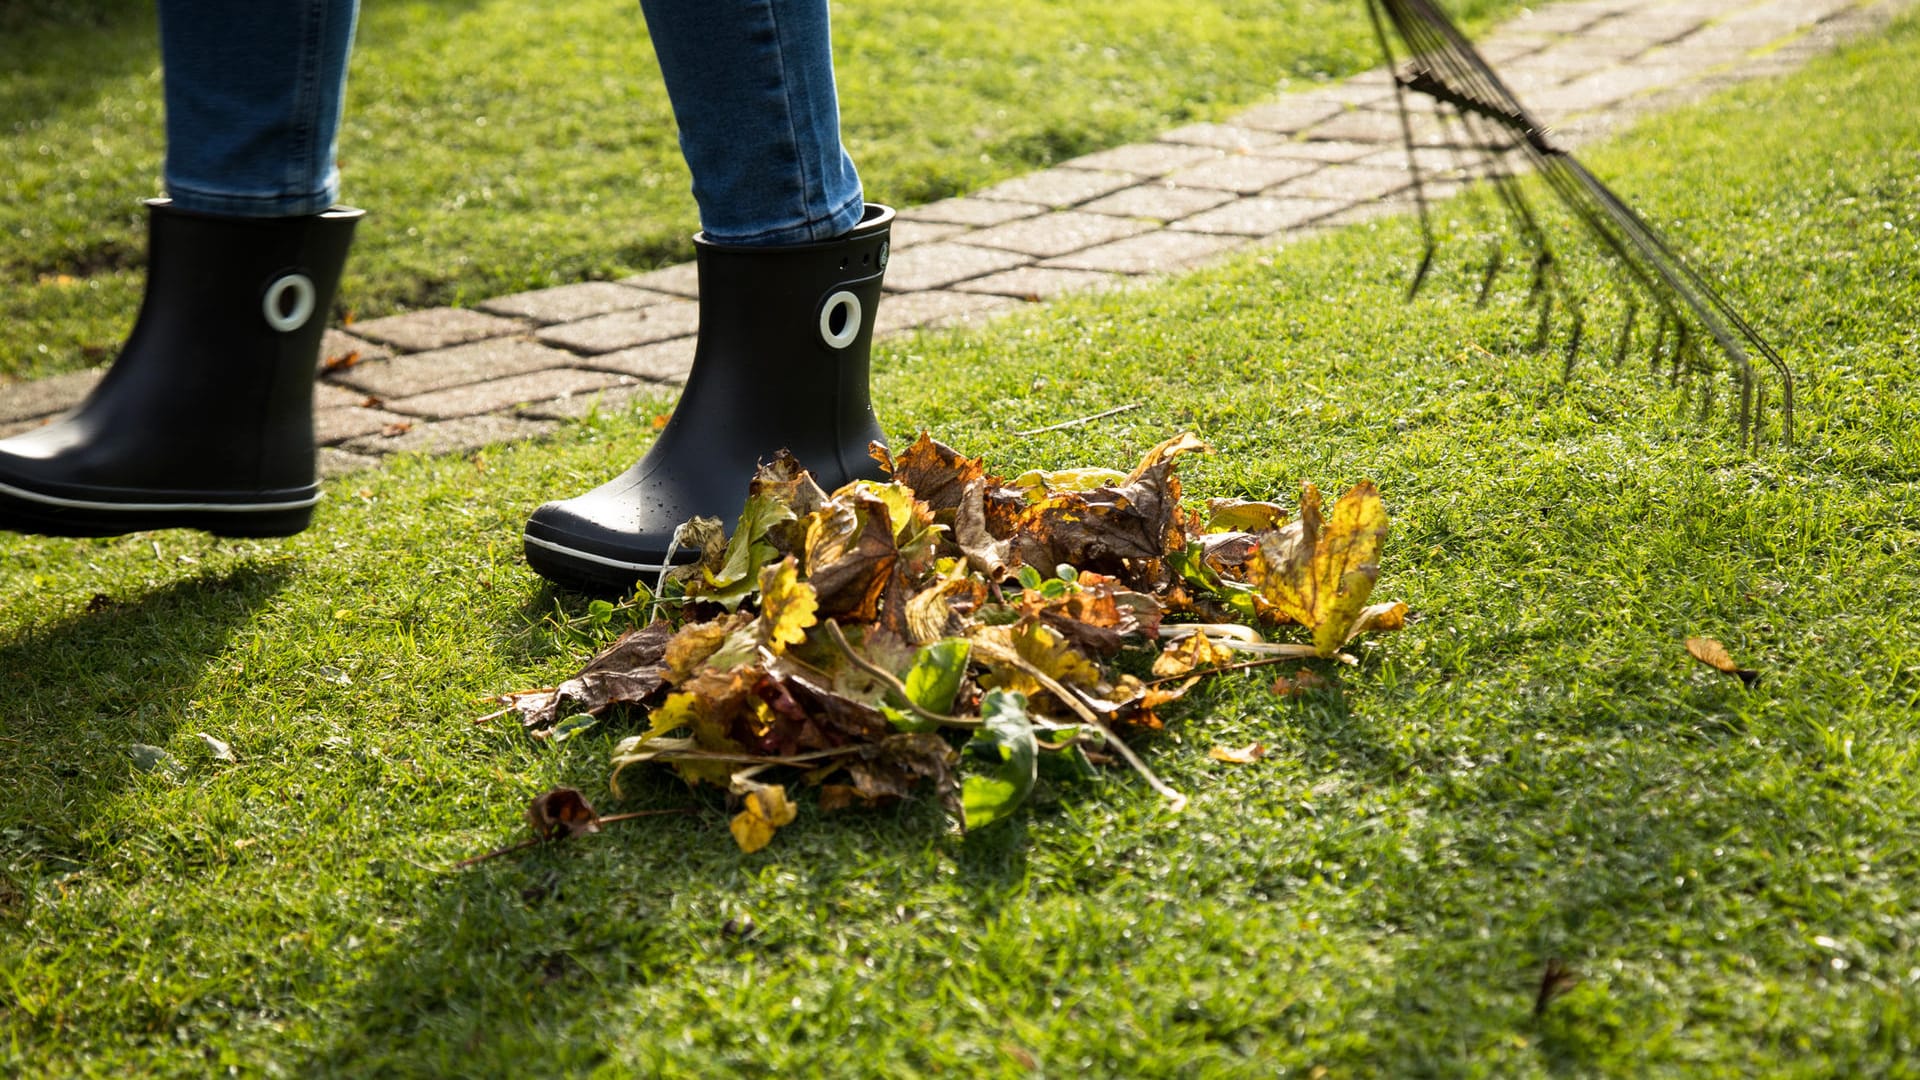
x: 254, y: 91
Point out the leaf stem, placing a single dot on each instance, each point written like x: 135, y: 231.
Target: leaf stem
x: 887, y: 679
x: 1092, y: 720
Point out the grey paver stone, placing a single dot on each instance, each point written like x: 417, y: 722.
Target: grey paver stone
x: 1292, y: 113
x: 338, y: 424
x: 568, y: 303
x: 1150, y: 253
x: 1059, y: 187
x: 931, y: 266
x: 1370, y: 125
x: 964, y: 210
x: 36, y: 398
x: 1223, y: 137
x: 1243, y: 173
x: 625, y: 329
x: 914, y: 233
x: 1057, y: 233
x: 682, y: 279
x: 1146, y: 159
x: 452, y: 436
x: 418, y: 373
x: 1348, y: 182
x: 1327, y: 150
x: 1367, y: 88
x: 1032, y: 283
x: 1259, y: 216
x: 936, y: 308
x: 662, y: 361
x: 337, y: 345
x: 436, y: 328
x: 497, y: 394
x: 327, y: 395
x: 1158, y: 201
x: 334, y: 461
x: 612, y: 401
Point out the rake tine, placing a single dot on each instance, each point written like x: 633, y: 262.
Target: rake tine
x: 1626, y: 334
x: 1444, y: 66
x: 1544, y: 328
x: 1494, y: 263
x: 1573, y: 346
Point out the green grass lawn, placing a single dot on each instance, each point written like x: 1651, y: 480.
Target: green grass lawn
x: 502, y: 145
x: 1533, y: 770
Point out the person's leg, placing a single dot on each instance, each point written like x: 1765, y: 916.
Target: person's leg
x: 791, y: 261
x: 752, y: 88
x: 205, y: 419
x: 253, y: 94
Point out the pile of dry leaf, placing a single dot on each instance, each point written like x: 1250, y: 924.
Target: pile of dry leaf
x: 946, y: 629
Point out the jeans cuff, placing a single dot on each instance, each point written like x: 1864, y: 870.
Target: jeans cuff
x: 836, y: 222
x: 231, y: 204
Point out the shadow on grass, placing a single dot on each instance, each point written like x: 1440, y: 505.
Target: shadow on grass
x: 545, y: 955
x: 79, y: 693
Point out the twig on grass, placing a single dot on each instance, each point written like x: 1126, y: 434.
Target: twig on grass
x: 1115, y: 411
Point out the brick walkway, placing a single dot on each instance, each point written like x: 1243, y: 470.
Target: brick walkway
x: 451, y: 379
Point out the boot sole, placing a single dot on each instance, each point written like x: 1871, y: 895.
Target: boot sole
x: 588, y: 571
x: 26, y: 511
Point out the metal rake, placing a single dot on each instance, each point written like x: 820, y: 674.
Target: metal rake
x: 1479, y: 118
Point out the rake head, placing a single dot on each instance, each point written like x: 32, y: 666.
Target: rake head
x: 1484, y: 126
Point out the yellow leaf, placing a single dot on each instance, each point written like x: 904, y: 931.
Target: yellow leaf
x: 1715, y: 655
x: 766, y: 809
x: 1184, y: 443
x: 1194, y: 651
x: 1242, y: 515
x: 1038, y: 485
x: 787, y: 605
x: 1318, y: 572
x: 1379, y: 618
x: 1245, y: 755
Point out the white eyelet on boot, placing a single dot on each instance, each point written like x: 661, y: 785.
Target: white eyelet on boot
x: 301, y: 286
x: 844, y: 308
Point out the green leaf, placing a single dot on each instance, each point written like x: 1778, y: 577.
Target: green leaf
x: 933, y: 681
x: 1007, y: 743
x: 748, y: 550
x: 577, y: 724
x: 1029, y: 578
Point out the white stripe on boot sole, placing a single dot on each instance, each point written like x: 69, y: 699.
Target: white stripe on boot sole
x: 154, y: 508
x: 588, y: 556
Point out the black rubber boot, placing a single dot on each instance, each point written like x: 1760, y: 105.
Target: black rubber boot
x: 205, y: 421
x: 781, y: 363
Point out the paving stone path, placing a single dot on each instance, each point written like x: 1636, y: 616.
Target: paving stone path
x: 451, y: 379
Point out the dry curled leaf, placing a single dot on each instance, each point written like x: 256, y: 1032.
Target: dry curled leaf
x: 560, y: 813
x: 1300, y: 682
x: 1714, y: 655
x: 1245, y: 755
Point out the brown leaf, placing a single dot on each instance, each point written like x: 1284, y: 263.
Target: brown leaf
x: 396, y: 429
x: 341, y: 361
x: 1714, y: 655
x: 985, y: 552
x: 850, y: 556
x: 894, y: 767
x: 1555, y: 979
x: 628, y: 672
x: 1245, y: 755
x: 560, y: 813
x: 1300, y: 682
x: 938, y: 475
